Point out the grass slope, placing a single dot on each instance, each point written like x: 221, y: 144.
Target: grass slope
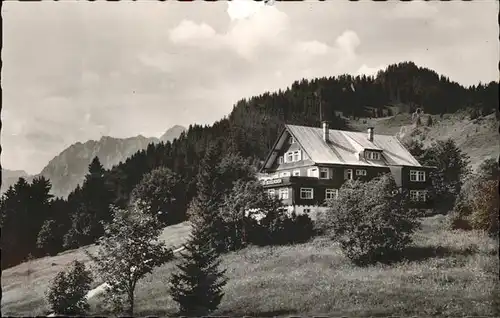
x: 478, y: 138
x: 24, y: 286
x: 451, y: 273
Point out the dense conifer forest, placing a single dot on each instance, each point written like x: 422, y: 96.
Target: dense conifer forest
x: 35, y: 224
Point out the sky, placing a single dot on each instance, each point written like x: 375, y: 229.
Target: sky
x: 74, y: 71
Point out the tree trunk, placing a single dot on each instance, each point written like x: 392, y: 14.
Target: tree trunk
x: 131, y: 303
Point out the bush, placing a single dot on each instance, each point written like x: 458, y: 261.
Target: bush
x: 476, y: 207
x: 371, y: 220
x: 473, y: 114
x: 67, y: 293
x: 485, y: 207
x: 488, y: 169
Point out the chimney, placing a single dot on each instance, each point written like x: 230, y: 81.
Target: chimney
x: 370, y: 134
x: 326, y: 131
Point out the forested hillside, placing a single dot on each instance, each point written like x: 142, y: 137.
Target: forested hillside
x: 250, y: 130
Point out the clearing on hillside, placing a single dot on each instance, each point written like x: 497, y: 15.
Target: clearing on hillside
x: 478, y: 137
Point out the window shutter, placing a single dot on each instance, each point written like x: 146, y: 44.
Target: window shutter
x: 300, y: 154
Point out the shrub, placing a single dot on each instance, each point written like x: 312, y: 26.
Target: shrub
x: 249, y: 199
x: 371, y: 220
x: 489, y: 170
x: 485, y: 207
x: 473, y: 114
x: 67, y: 293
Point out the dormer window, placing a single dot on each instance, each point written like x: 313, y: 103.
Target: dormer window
x: 324, y: 173
x: 372, y: 155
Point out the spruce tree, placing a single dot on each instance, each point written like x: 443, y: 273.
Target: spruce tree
x: 93, y: 202
x: 204, y: 207
x: 197, y: 287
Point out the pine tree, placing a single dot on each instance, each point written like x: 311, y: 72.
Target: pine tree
x: 92, y: 204
x: 197, y: 287
x: 204, y: 207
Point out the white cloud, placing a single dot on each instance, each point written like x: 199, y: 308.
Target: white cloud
x: 348, y: 41
x: 189, y: 32
x: 370, y: 71
x: 313, y: 48
x: 242, y: 9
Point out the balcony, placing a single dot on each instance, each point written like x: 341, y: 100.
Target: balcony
x: 270, y: 182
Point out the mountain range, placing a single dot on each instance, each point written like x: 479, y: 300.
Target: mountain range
x: 68, y: 169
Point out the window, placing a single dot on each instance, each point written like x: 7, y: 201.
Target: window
x: 271, y: 193
x: 296, y: 155
x: 360, y: 172
x: 331, y: 194
x: 418, y: 176
x: 296, y: 173
x: 291, y: 140
x: 372, y: 155
x: 418, y: 195
x: 324, y: 173
x: 280, y: 160
x: 285, y: 174
x: 348, y: 174
x: 306, y: 193
x: 283, y: 193
x: 312, y: 172
x: 293, y: 156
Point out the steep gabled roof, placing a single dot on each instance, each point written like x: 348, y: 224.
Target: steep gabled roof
x: 344, y: 146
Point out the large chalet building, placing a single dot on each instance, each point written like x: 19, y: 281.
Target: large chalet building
x: 308, y: 165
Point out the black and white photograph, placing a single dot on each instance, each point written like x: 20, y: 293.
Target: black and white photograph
x: 250, y: 158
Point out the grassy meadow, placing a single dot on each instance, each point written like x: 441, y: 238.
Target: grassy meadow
x: 447, y: 273
x: 24, y: 286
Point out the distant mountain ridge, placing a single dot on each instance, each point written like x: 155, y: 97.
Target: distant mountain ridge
x: 68, y: 169
x: 11, y: 176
